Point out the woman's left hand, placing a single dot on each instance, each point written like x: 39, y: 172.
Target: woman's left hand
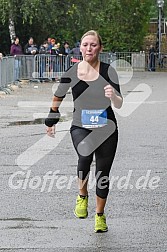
x: 109, y: 92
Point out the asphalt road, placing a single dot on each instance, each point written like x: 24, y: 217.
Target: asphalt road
x: 36, y: 212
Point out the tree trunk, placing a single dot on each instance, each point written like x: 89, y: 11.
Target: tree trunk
x: 11, y: 29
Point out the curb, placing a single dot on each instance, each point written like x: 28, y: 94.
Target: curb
x: 8, y: 90
x: 13, y: 87
x: 2, y: 93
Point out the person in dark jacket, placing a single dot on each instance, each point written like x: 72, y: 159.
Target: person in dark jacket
x: 65, y: 50
x: 43, y: 59
x: 76, y: 51
x: 151, y: 59
x: 30, y: 50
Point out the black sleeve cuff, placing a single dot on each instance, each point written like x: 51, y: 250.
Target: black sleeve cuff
x: 53, y: 118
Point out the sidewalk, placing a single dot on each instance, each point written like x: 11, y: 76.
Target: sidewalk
x: 38, y: 216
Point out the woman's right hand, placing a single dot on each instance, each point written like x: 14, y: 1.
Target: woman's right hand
x: 51, y: 131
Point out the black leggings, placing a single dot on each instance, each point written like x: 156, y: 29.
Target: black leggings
x: 104, y: 155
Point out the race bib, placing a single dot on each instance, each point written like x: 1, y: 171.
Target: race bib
x: 93, y: 118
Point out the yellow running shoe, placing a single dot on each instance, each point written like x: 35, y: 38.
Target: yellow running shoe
x: 100, y: 223
x: 81, y: 207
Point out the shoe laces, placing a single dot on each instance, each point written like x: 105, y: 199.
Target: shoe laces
x: 82, y: 201
x: 100, y: 219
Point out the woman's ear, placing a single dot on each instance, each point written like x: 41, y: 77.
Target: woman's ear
x: 101, y: 49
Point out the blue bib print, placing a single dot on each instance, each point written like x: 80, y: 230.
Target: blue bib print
x: 93, y: 118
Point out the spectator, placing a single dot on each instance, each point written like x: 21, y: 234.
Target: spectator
x: 16, y: 51
x: 44, y: 48
x: 53, y: 42
x: 30, y: 50
x: 58, y: 45
x: 43, y: 51
x: 65, y: 50
x: 151, y: 60
x: 16, y: 48
x: 1, y: 56
x: 55, y: 52
x: 49, y: 43
x: 76, y: 52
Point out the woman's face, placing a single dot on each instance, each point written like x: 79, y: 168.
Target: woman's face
x: 90, y: 48
x: 17, y: 41
x: 52, y: 43
x: 31, y: 41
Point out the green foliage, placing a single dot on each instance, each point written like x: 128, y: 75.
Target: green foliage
x: 121, y: 23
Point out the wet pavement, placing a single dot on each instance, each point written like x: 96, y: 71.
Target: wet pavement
x: 38, y: 174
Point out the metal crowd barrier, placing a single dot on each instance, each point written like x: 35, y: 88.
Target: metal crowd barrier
x: 13, y: 69
x: 153, y: 62
x: 24, y: 67
x: 51, y: 67
x: 125, y: 60
x: 135, y: 60
x: 163, y: 62
x: 6, y: 72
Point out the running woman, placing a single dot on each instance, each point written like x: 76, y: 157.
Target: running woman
x: 94, y: 131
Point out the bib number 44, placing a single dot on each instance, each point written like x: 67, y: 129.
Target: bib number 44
x: 94, y: 119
